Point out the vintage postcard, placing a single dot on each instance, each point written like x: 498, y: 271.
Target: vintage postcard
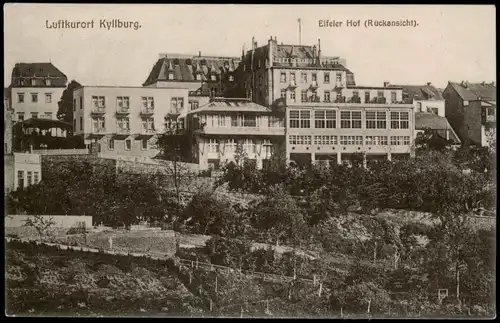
x: 314, y: 161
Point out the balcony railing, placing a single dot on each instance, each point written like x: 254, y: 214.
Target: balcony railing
x: 314, y: 85
x: 98, y: 111
x: 292, y: 84
x: 354, y: 99
x: 99, y: 130
x: 148, y: 131
x: 147, y: 111
x: 339, y: 85
x: 123, y: 110
x: 340, y: 99
x: 123, y: 131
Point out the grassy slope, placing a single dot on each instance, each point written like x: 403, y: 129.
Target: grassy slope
x: 71, y: 283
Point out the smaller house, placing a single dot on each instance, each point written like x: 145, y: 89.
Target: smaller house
x: 438, y: 124
x: 471, y: 110
x: 426, y: 98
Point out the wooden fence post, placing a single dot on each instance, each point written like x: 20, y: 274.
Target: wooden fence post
x: 241, y: 311
x: 211, y: 306
x: 215, y: 284
x: 190, y: 278
x: 314, y: 280
x: 320, y: 288
x: 341, y: 313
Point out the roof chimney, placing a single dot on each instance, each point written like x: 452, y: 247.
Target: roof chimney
x: 253, y: 42
x: 386, y: 84
x: 429, y: 83
x: 199, y: 53
x: 483, y: 83
x: 315, y: 53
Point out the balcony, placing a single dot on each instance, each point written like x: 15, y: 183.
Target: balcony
x: 147, y: 111
x: 314, y: 85
x: 354, y: 99
x: 123, y: 131
x: 340, y: 99
x: 339, y: 85
x: 240, y: 130
x: 98, y: 132
x: 123, y: 111
x: 379, y: 100
x: 98, y: 111
x: 292, y: 84
x: 148, y: 132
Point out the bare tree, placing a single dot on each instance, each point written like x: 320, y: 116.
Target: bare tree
x: 40, y: 223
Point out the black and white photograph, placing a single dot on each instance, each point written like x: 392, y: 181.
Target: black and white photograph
x: 250, y: 161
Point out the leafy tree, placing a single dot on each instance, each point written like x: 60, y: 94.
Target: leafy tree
x: 431, y: 140
x: 229, y: 252
x: 65, y: 110
x: 279, y: 216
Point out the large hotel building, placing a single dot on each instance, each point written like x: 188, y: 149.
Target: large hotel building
x: 328, y: 117
x: 324, y: 115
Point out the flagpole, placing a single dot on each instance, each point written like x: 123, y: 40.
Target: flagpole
x: 300, y: 32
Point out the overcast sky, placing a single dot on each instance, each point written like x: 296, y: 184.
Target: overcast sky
x: 450, y: 43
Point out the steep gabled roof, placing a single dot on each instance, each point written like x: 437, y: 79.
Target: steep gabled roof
x: 421, y: 92
x: 475, y: 91
x: 185, y: 68
x: 36, y: 69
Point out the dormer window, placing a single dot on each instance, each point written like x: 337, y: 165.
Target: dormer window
x: 213, y: 78
x: 198, y: 77
x: 170, y: 76
x: 231, y: 78
x: 47, y: 82
x: 33, y: 82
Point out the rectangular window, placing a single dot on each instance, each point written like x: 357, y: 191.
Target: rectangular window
x: 20, y: 179
x: 35, y: 177
x: 325, y: 119
x: 98, y: 102
x: 98, y: 124
x: 34, y: 97
x: 33, y: 82
x: 128, y: 144
x: 376, y: 140
x: 303, y: 96
x: 380, y: 94
x: 48, y: 97
x: 213, y: 145
x: 122, y: 103
x: 144, y: 144
x: 249, y: 146
x: 303, y: 77
x: 81, y: 123
x: 81, y: 102
x: 314, y: 77
x: 193, y: 105
x: 177, y: 105
x: 351, y: 140
x: 339, y: 77
x: 325, y: 140
x: 400, y: 140
x: 400, y: 120
x: 283, y: 77
x: 48, y: 82
x: 111, y: 144
x: 292, y: 96
x: 393, y: 96
x: 47, y: 115
x: 367, y: 97
x: 74, y: 104
x: 74, y: 124
x: 292, y: 77
x: 20, y: 97
x: 30, y: 178
x: 299, y: 140
x: 34, y: 115
x: 327, y: 77
x: 376, y: 120
x: 327, y: 96
x: 123, y: 124
x: 283, y: 94
x: 350, y: 119
x: 20, y: 117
